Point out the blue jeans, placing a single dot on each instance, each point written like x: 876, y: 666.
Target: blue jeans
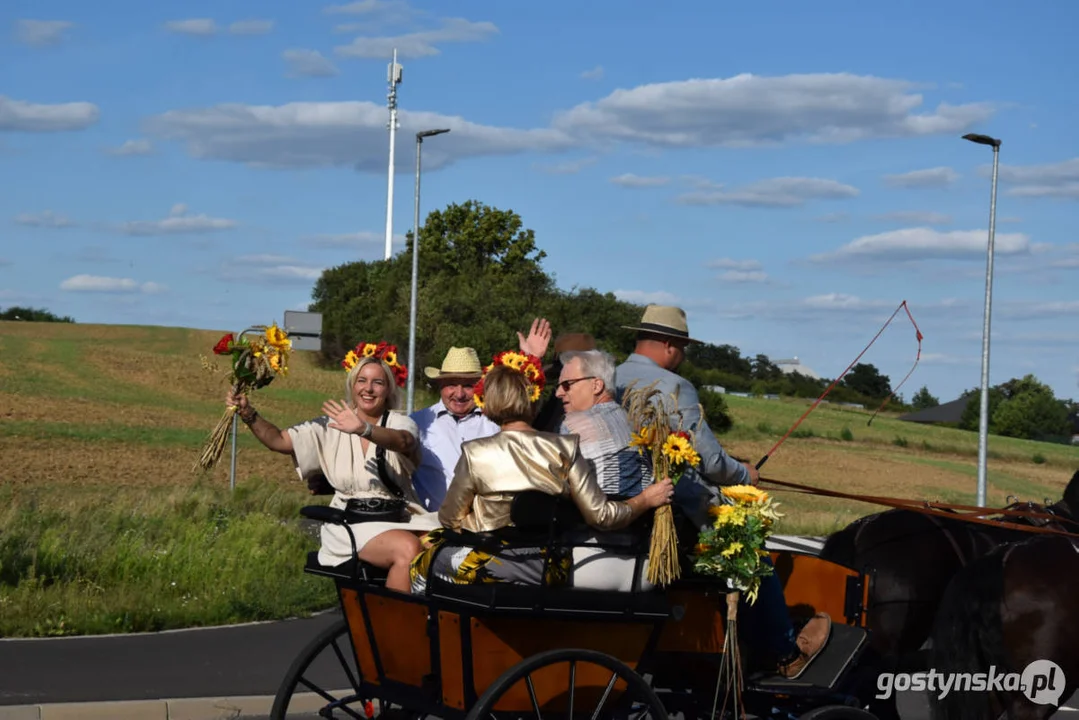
x: 766, y: 624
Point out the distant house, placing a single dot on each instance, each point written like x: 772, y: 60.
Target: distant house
x: 794, y: 365
x: 949, y: 412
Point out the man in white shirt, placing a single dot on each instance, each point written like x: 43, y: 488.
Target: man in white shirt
x: 448, y: 423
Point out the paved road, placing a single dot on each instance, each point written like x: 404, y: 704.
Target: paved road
x: 215, y: 662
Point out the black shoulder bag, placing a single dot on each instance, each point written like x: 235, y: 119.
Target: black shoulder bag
x: 376, y: 509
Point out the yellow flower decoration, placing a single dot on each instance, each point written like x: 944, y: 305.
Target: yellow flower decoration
x: 534, y: 392
x: 514, y: 360
x: 733, y: 548
x: 368, y: 350
x: 390, y: 358
x: 745, y: 493
x: 277, y: 337
x: 350, y: 360
x: 642, y: 440
x: 275, y: 362
x: 676, y: 448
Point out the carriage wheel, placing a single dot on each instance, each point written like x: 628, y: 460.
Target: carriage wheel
x: 323, y: 680
x: 636, y: 700
x: 837, y: 712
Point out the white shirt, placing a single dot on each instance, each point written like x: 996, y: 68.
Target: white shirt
x: 441, y: 435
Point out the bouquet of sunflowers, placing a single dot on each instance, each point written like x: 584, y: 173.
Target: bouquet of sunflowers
x: 254, y: 363
x: 733, y: 548
x: 672, y: 454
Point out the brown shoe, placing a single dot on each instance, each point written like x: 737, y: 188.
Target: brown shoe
x: 810, y: 642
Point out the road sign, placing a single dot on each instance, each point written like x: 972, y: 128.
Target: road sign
x: 304, y: 329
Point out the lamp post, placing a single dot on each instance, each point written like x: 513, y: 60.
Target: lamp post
x: 983, y: 418
x: 415, y: 270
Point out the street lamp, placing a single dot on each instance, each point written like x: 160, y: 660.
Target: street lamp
x: 415, y: 270
x: 983, y: 418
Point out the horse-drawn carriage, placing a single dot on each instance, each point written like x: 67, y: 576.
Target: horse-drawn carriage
x: 506, y: 651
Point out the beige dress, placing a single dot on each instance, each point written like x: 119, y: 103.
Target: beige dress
x: 354, y: 474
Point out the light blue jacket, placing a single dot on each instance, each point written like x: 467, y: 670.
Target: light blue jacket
x: 696, y: 490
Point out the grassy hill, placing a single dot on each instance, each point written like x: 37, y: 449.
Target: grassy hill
x: 104, y: 526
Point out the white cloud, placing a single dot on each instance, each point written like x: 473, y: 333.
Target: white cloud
x: 744, y: 276
x: 132, y: 147
x: 749, y: 110
x: 1060, y: 180
x: 929, y: 178
x: 641, y: 297
x: 915, y: 217
x: 251, y: 27
x: 419, y: 44
x: 97, y: 283
x: 177, y: 223
x: 774, y: 192
x: 314, y: 134
x: 1038, y: 310
x: 595, y: 73
x: 362, y: 239
x: 732, y: 264
x: 281, y: 268
x: 308, y: 63
x: 39, y: 33
x: 193, y: 26
x: 571, y: 167
x: 47, y: 219
x: 23, y: 116
x: 380, y: 8
x: 927, y: 244
x: 629, y: 180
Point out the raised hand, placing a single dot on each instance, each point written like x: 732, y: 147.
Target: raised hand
x: 539, y: 338
x: 342, y: 417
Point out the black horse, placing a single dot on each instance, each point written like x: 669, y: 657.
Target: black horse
x: 1016, y: 606
x: 912, y: 557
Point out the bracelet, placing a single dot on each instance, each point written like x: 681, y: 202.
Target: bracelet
x: 367, y: 430
x: 250, y: 419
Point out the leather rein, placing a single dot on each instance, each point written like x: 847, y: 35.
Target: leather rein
x: 965, y: 513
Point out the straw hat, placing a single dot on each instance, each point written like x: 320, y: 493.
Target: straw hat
x: 458, y: 363
x: 664, y: 320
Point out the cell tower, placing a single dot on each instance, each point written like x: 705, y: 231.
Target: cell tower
x: 393, y: 77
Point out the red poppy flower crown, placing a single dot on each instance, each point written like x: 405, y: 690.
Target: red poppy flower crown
x: 383, y: 351
x: 528, y: 365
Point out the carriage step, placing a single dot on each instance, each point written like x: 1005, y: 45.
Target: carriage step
x: 827, y: 669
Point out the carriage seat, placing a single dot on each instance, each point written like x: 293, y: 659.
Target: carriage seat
x: 354, y: 569
x: 554, y: 519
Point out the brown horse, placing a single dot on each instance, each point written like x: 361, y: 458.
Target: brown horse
x: 912, y: 557
x: 1014, y: 612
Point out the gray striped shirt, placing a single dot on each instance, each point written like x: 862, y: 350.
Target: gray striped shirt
x: 605, y: 433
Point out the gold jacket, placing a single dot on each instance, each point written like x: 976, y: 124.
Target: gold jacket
x: 492, y: 470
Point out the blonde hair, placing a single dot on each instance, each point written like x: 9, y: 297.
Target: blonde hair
x: 506, y: 396
x: 393, y: 397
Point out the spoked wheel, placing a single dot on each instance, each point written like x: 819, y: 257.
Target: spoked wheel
x: 323, y: 681
x: 568, y: 684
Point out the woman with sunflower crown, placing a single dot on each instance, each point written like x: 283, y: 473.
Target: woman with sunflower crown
x: 367, y: 450
x: 493, y: 470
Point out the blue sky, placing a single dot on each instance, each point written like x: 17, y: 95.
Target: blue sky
x: 789, y: 177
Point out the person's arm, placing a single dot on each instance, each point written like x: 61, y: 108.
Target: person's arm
x: 266, y: 432
x: 604, y: 514
x: 457, y: 505
x: 716, y: 466
x: 539, y: 338
x: 346, y: 420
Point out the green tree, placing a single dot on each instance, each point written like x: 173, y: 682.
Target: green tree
x: 1031, y: 415
x: 719, y: 357
x: 972, y: 412
x: 27, y: 314
x: 923, y: 400
x: 867, y: 380
x: 715, y: 411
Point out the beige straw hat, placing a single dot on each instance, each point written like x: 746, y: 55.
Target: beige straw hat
x: 458, y: 363
x: 664, y: 320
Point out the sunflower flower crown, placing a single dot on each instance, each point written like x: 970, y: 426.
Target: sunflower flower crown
x: 528, y: 365
x: 383, y: 351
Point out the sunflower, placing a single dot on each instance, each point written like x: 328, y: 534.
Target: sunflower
x: 642, y: 439
x: 275, y: 361
x: 512, y: 359
x: 368, y: 350
x: 534, y: 392
x: 390, y: 358
x: 745, y: 494
x: 277, y: 337
x: 676, y: 447
x: 350, y: 360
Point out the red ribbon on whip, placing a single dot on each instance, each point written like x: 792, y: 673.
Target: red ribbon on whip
x: 918, y: 357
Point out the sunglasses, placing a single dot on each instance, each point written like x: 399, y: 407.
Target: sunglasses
x: 567, y: 384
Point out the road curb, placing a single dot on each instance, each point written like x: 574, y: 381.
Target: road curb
x: 223, y: 708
